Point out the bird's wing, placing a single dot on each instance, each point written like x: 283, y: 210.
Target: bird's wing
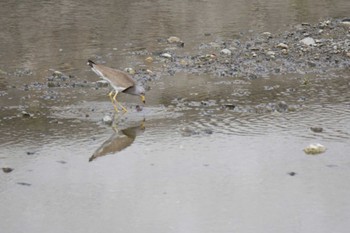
x: 117, y: 77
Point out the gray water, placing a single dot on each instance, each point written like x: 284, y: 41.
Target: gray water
x: 186, y: 162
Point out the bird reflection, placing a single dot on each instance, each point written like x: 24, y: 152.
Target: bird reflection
x: 119, y: 140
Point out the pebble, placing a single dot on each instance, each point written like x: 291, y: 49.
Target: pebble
x: 166, y: 55
x: 316, y: 129
x: 284, y: 51
x: 130, y: 70
x: 270, y: 53
x: 149, y: 59
x: 102, y: 83
x: 26, y: 114
x: 226, y: 52
x: 107, y: 120
x: 173, y: 39
x: 346, y: 22
x: 281, y: 106
x: 314, y: 149
x: 267, y: 34
x: 292, y: 173
x: 7, y: 169
x: 282, y: 46
x: 309, y: 41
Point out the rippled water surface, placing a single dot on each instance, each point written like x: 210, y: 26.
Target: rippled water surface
x: 206, y: 153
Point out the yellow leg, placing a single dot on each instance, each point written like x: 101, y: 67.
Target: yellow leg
x: 116, y: 101
x: 110, y: 96
x: 112, y: 100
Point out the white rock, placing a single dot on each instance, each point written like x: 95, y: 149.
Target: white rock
x: 107, y: 119
x: 166, y: 55
x: 308, y: 41
x: 282, y: 46
x: 314, y: 149
x: 226, y: 52
x: 270, y: 53
x: 267, y: 34
x: 130, y: 70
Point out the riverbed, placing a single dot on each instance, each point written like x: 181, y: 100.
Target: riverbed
x: 219, y: 144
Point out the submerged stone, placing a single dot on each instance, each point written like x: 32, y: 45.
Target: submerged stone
x: 316, y: 129
x: 7, y: 169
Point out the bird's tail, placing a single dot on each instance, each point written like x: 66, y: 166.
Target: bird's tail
x: 90, y: 63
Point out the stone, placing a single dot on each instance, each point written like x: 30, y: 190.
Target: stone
x: 346, y: 22
x: 270, y: 53
x: 130, y: 70
x: 102, y: 83
x: 26, y: 114
x: 7, y: 169
x: 282, y: 106
x: 166, y: 55
x: 107, y: 120
x: 149, y: 59
x: 267, y: 34
x: 309, y: 41
x: 173, y: 39
x: 314, y: 149
x: 282, y: 46
x: 226, y: 52
x: 316, y: 129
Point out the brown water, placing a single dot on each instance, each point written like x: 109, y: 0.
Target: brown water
x: 188, y: 162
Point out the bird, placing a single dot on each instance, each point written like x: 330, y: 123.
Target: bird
x: 120, y: 81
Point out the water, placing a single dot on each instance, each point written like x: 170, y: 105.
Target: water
x: 206, y: 154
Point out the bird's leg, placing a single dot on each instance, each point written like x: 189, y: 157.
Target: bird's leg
x: 116, y: 101
x: 110, y: 95
x: 113, y: 99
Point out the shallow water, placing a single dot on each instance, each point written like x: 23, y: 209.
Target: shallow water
x: 206, y: 154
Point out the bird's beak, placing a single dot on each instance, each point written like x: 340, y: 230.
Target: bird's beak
x: 143, y: 99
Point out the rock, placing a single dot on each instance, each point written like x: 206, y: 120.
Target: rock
x: 316, y: 129
x: 348, y: 54
x: 314, y: 149
x: 281, y: 106
x: 166, y: 55
x: 102, y: 83
x: 226, y: 52
x: 26, y: 114
x: 229, y: 106
x: 267, y: 34
x: 59, y: 75
x: 173, y: 39
x: 292, y: 173
x: 130, y: 70
x: 346, y: 22
x: 149, y: 59
x: 282, y: 46
x: 309, y: 41
x: 138, y: 108
x: 270, y: 53
x: 107, y: 120
x: 214, y: 45
x: 284, y: 51
x: 7, y: 169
